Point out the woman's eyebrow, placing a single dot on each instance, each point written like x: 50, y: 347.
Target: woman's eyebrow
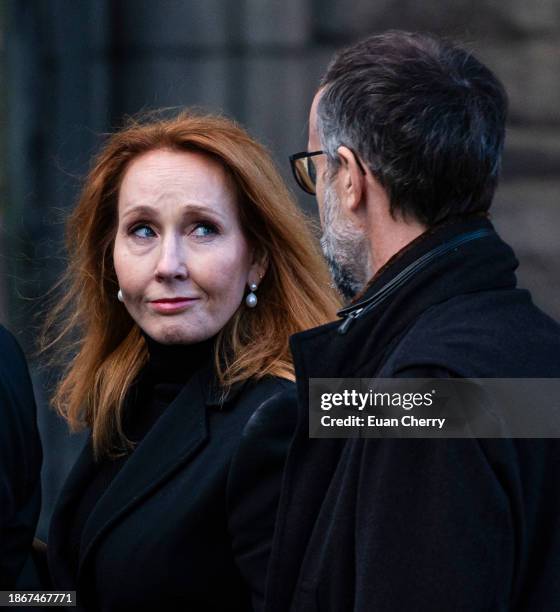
x: 146, y: 209
x: 141, y: 209
x: 201, y: 209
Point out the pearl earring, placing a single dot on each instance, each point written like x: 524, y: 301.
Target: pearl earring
x: 251, y: 299
x: 120, y: 295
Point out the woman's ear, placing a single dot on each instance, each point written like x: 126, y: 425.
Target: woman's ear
x: 258, y: 268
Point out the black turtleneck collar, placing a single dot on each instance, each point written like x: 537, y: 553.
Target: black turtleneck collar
x: 169, y: 368
x: 176, y: 363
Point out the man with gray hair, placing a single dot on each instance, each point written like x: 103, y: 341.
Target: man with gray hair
x: 405, y: 141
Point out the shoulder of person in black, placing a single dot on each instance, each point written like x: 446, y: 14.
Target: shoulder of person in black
x: 408, y: 511
x: 212, y: 505
x: 20, y: 461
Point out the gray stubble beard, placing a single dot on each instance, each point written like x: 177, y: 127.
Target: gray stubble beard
x: 345, y: 248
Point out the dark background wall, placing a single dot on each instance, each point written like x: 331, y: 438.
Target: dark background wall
x: 71, y: 70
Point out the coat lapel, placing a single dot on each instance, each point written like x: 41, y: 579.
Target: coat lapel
x: 172, y: 441
x: 82, y: 471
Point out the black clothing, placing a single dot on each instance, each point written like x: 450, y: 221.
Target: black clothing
x: 420, y: 524
x: 166, y: 373
x: 187, y: 521
x: 20, y: 461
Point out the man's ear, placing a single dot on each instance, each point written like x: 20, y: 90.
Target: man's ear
x: 350, y: 180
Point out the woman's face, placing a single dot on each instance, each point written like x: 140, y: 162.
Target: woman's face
x: 181, y: 259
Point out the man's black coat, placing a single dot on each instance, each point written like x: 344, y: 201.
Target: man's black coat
x: 20, y: 461
x: 424, y: 524
x: 187, y: 523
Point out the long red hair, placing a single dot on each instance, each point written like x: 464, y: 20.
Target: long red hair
x: 104, y: 348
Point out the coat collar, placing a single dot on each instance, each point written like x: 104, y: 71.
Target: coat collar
x: 452, y: 266
x: 173, y: 440
x: 381, y: 289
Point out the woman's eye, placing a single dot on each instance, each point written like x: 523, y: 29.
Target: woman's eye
x: 203, y: 230
x: 143, y: 231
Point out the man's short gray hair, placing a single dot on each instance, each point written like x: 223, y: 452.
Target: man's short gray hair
x: 425, y: 116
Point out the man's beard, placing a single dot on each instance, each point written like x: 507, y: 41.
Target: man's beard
x: 345, y: 248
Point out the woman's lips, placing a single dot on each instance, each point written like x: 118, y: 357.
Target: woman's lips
x: 171, y: 305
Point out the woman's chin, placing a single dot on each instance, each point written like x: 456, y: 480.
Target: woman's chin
x: 172, y: 334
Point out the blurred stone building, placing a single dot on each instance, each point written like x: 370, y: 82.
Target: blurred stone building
x: 71, y: 71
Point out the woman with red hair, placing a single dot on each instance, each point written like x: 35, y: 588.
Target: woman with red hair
x: 189, y: 267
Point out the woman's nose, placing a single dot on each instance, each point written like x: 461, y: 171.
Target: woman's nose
x: 172, y: 260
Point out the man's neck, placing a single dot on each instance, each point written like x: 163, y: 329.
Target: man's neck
x: 387, y: 236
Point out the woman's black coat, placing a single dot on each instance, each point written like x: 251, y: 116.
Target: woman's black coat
x: 187, y: 523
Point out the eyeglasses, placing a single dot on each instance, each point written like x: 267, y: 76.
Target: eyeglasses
x: 304, y: 171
